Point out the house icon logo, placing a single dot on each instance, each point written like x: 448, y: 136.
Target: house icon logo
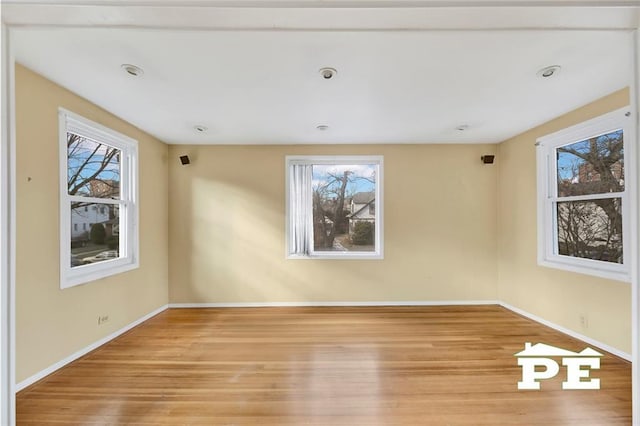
x: 578, y: 366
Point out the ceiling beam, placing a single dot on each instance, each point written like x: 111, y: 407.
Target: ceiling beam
x: 325, y: 4
x: 332, y: 15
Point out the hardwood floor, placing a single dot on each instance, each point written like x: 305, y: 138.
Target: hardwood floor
x: 445, y: 365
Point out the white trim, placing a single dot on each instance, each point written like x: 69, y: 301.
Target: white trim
x: 589, y: 197
x: 13, y: 229
x: 385, y: 4
x: 7, y: 234
x: 52, y: 368
x: 547, y: 196
x: 4, y: 239
x: 597, y: 126
x: 378, y: 160
x: 579, y: 266
x: 333, y: 159
x: 97, y: 132
x: 635, y: 230
x: 568, y: 332
x: 128, y: 201
x: 345, y: 304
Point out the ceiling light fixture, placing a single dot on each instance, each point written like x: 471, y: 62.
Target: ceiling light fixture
x: 200, y: 128
x: 322, y: 127
x: 132, y: 70
x: 549, y: 71
x: 328, y: 73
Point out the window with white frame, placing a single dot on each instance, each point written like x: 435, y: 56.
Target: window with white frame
x: 98, y: 189
x: 585, y: 174
x: 334, y: 207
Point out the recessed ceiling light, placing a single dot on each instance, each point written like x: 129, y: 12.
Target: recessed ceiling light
x: 200, y: 128
x: 462, y: 127
x: 322, y: 127
x: 328, y: 73
x: 132, y: 70
x: 549, y: 71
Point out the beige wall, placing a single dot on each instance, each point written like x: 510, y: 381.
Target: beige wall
x: 227, y: 228
x: 557, y: 296
x: 51, y: 324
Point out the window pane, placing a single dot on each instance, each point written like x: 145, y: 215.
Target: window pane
x: 592, y: 166
x: 95, y: 233
x: 591, y: 229
x: 93, y: 169
x: 344, y: 207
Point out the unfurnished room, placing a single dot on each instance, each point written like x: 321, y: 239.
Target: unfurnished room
x: 319, y: 212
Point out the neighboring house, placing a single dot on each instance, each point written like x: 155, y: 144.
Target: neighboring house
x: 588, y: 181
x: 83, y: 217
x: 587, y: 173
x: 362, y: 209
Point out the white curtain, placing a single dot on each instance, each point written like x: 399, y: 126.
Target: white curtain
x: 300, y: 209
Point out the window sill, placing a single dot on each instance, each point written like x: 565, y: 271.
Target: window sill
x: 344, y: 256
x: 617, y: 275
x: 79, y: 276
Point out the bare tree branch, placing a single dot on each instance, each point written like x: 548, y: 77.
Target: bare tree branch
x: 77, y: 180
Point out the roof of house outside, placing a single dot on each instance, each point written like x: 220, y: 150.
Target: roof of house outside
x: 355, y: 214
x: 363, y: 197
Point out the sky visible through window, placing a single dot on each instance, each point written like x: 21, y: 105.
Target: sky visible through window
x: 88, y: 162
x: 362, y: 177
x: 569, y: 164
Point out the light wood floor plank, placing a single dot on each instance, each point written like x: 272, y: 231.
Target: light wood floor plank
x: 445, y: 365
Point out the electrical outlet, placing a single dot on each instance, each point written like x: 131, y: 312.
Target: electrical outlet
x: 584, y: 321
x: 102, y: 319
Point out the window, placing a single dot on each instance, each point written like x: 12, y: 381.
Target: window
x: 98, y: 185
x: 583, y: 197
x: 334, y: 207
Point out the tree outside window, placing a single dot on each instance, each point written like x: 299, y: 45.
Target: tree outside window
x: 583, y: 196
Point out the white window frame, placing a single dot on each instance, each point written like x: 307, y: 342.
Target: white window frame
x: 547, y: 195
x: 128, y: 202
x: 378, y: 160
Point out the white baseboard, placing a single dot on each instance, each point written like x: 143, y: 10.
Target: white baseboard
x: 569, y: 332
x: 531, y: 316
x: 52, y: 368
x: 311, y: 304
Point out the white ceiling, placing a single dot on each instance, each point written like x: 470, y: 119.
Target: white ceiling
x: 262, y: 86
